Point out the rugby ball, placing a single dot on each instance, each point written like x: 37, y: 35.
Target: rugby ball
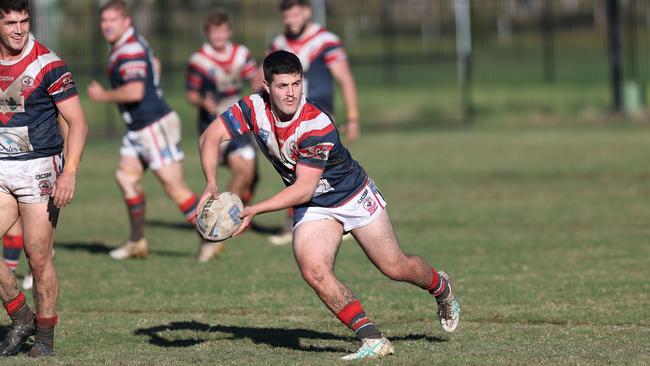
x: 219, y: 218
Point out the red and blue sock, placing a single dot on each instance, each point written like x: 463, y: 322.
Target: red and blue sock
x: 354, y: 317
x: 188, y: 208
x: 439, y: 287
x: 12, y: 245
x: 136, y: 207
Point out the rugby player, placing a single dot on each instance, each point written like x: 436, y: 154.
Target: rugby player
x: 324, y: 61
x: 330, y: 193
x: 34, y: 181
x: 153, y: 135
x: 215, y: 78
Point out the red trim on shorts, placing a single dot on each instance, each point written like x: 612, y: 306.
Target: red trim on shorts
x: 14, y: 304
x: 378, y: 200
x: 155, y: 142
x: 363, y: 186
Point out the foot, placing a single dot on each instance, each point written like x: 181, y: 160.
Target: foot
x: 28, y: 281
x: 131, y: 249
x: 283, y: 238
x: 346, y: 236
x: 448, y: 308
x: 41, y: 350
x: 372, y: 348
x: 43, y: 343
x: 22, y: 327
x: 209, y: 250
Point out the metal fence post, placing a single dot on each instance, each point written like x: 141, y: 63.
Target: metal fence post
x: 614, y: 38
x: 548, y: 43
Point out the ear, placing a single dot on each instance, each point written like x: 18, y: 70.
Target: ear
x: 267, y: 86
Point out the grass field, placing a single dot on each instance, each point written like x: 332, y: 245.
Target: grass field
x: 545, y: 231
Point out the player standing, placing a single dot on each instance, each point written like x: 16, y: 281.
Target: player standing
x: 215, y: 78
x: 331, y: 195
x: 34, y: 182
x: 324, y: 61
x: 153, y: 135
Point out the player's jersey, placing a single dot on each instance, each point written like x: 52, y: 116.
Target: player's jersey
x: 131, y: 59
x: 317, y: 49
x: 220, y: 74
x: 310, y: 138
x: 30, y: 87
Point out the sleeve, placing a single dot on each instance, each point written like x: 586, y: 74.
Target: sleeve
x: 239, y: 118
x: 59, y: 82
x: 197, y: 78
x: 315, y: 146
x: 333, y: 51
x: 133, y: 67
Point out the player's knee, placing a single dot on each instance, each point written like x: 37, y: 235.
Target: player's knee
x: 125, y: 179
x: 396, y: 270
x: 38, y: 261
x: 315, y: 276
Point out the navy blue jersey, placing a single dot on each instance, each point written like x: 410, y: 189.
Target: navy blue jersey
x: 220, y: 74
x: 310, y: 138
x: 30, y: 87
x: 317, y: 49
x: 131, y: 59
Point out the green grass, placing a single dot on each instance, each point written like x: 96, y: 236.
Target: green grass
x: 544, y: 229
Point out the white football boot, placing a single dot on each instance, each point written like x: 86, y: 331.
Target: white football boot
x: 448, y: 308
x: 131, y: 249
x: 28, y: 281
x: 372, y: 348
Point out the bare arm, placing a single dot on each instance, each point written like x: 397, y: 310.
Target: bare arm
x: 74, y: 118
x: 209, y: 143
x: 208, y: 102
x: 130, y: 92
x: 63, y: 128
x: 301, y: 191
x: 341, y: 72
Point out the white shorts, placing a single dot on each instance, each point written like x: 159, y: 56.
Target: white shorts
x: 358, y: 211
x: 157, y: 144
x: 30, y: 181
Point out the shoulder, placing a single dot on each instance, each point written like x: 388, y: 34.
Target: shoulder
x: 130, y: 49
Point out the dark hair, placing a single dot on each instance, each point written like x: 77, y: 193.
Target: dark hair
x: 7, y: 6
x: 281, y: 62
x: 216, y: 18
x: 119, y: 5
x: 288, y: 4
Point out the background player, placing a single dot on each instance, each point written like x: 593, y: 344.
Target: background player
x: 215, y: 78
x: 153, y: 135
x: 323, y: 60
x: 34, y: 183
x: 331, y: 194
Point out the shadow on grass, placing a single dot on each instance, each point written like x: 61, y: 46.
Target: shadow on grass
x: 274, y: 337
x: 97, y: 248
x: 255, y: 227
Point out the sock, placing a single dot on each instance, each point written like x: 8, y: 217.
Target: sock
x: 189, y: 208
x: 439, y: 286
x: 12, y: 245
x: 45, y: 330
x: 13, y: 305
x: 354, y: 317
x: 136, y: 208
x: 246, y: 198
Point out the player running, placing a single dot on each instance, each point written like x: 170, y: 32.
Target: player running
x: 324, y: 61
x: 34, y: 182
x: 215, y: 78
x: 153, y: 135
x: 331, y: 195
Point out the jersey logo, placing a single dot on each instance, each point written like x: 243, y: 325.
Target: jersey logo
x: 14, y: 141
x: 264, y: 135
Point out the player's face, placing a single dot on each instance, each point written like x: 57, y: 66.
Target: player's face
x: 219, y: 35
x: 114, y: 24
x: 295, y: 19
x: 286, y: 92
x: 15, y: 31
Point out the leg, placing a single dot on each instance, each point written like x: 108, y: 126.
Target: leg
x: 173, y: 181
x: 9, y: 209
x: 242, y: 175
x: 129, y: 177
x: 378, y: 241
x: 12, y: 245
x: 315, y: 259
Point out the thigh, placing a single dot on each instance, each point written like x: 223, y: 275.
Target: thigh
x: 378, y: 241
x: 315, y: 243
x: 39, y: 222
x: 131, y: 165
x: 8, y: 212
